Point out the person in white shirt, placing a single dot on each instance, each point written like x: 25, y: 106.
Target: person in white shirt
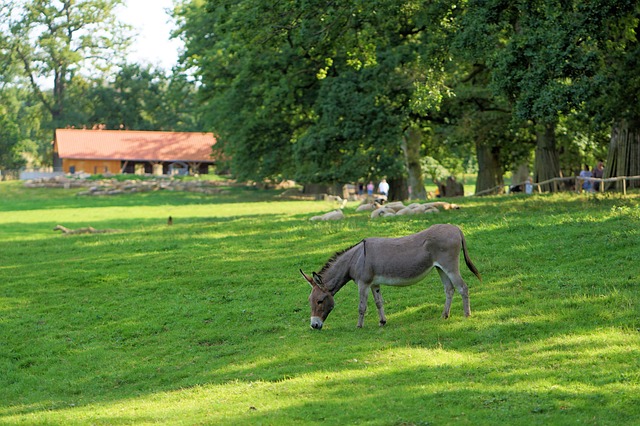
x: 528, y: 187
x: 383, y: 188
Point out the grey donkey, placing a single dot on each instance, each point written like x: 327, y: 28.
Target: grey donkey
x: 392, y: 261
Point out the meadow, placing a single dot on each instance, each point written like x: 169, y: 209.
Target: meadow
x: 207, y: 321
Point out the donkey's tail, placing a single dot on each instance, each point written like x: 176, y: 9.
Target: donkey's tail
x: 467, y: 259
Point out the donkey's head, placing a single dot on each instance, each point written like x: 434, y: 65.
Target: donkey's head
x: 320, y: 299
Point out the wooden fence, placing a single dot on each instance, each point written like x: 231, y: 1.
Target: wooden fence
x: 557, y: 184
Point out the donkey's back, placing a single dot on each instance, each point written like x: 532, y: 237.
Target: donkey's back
x: 406, y: 260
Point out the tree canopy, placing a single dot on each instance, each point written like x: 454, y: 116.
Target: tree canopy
x: 349, y: 91
x: 331, y: 91
x: 323, y: 92
x: 53, y: 40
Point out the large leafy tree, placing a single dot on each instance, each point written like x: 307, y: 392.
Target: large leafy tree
x: 320, y: 92
x: 51, y: 42
x: 245, y: 71
x: 338, y: 91
x: 478, y: 115
x: 384, y: 83
x: 544, y: 56
x: 60, y: 67
x: 618, y: 92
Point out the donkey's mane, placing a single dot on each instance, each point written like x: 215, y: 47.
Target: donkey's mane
x: 335, y: 257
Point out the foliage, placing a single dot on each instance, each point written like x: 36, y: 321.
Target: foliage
x: 137, y: 97
x: 434, y: 170
x: 580, y: 144
x: 207, y: 321
x: 62, y: 67
x: 478, y: 118
x: 324, y: 92
x: 9, y: 142
x: 45, y: 46
x: 550, y: 60
x: 549, y: 52
x: 55, y: 40
x: 329, y: 91
x: 20, y: 128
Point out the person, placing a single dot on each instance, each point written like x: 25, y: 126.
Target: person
x: 383, y: 188
x: 586, y: 173
x: 528, y: 187
x: 598, y: 172
x: 370, y: 189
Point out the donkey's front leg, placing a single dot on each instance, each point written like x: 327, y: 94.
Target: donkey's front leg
x: 448, y: 291
x: 363, y: 289
x: 377, y: 296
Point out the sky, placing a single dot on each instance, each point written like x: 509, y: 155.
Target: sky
x: 153, y: 26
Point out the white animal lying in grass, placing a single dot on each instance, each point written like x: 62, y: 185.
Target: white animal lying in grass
x: 333, y: 215
x: 398, y: 208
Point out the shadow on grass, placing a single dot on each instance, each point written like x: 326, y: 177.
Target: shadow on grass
x: 434, y: 395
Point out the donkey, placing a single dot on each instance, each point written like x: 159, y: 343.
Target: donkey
x: 392, y: 261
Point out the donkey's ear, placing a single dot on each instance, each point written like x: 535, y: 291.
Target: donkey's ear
x: 317, y: 279
x: 309, y: 279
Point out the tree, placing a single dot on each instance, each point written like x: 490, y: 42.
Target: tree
x: 65, y: 77
x: 137, y: 97
x: 248, y: 79
x: 544, y: 56
x: 479, y: 121
x: 323, y: 92
x: 53, y: 41
x: 615, y: 103
x: 9, y: 142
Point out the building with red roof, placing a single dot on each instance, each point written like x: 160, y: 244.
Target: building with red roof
x: 126, y: 151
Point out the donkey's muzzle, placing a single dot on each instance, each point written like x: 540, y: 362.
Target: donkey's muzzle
x: 316, y: 323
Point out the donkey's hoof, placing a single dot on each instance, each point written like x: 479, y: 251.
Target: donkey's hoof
x: 382, y: 323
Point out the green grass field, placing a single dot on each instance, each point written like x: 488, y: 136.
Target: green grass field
x: 207, y: 321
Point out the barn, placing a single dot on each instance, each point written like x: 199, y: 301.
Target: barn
x: 126, y: 151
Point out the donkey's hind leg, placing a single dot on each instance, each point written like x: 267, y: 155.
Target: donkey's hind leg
x: 462, y: 288
x: 448, y: 291
x: 377, y: 296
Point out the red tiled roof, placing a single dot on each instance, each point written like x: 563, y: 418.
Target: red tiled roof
x: 134, y: 145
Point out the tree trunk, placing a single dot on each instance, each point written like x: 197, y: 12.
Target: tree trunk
x: 547, y: 162
x: 623, y: 158
x: 489, y: 170
x: 520, y: 175
x: 398, y: 189
x: 411, y: 144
